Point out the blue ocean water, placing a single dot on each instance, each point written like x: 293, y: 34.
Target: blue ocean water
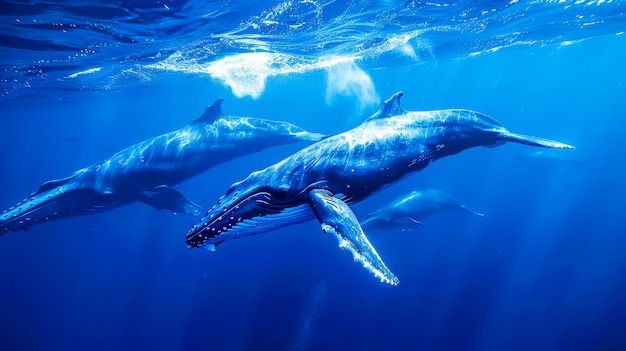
x: 541, y: 271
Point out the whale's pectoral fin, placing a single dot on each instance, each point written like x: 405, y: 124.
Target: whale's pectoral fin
x: 337, y: 218
x: 164, y: 197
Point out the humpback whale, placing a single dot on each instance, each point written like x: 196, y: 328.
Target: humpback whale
x: 146, y: 171
x: 321, y: 180
x: 407, y: 211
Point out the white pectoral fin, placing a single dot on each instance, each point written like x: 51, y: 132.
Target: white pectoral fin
x: 337, y: 218
x: 164, y: 197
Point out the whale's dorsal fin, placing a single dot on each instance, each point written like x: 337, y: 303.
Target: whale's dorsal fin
x: 390, y: 107
x: 211, y: 113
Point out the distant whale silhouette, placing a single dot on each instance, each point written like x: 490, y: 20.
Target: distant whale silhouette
x: 145, y: 171
x: 320, y: 180
x: 552, y: 157
x: 407, y: 212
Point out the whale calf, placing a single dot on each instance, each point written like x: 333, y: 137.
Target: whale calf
x: 321, y: 180
x: 146, y: 171
x: 407, y: 211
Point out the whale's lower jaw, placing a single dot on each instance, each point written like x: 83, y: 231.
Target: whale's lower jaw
x: 234, y: 226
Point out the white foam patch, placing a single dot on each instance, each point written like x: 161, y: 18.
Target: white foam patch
x: 347, y: 79
x: 87, y: 71
x: 402, y: 44
x: 246, y: 74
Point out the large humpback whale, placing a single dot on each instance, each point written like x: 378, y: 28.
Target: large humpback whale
x: 320, y: 180
x: 146, y: 171
x: 407, y: 211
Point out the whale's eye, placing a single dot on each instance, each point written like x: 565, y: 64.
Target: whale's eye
x: 282, y: 192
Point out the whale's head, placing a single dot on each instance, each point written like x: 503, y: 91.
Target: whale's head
x: 257, y: 204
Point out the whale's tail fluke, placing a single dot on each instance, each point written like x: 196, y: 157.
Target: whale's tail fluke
x: 532, y: 141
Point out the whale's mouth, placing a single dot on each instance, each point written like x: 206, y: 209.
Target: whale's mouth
x: 236, y: 217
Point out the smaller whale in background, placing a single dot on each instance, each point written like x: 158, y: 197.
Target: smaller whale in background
x: 407, y: 212
x: 146, y: 171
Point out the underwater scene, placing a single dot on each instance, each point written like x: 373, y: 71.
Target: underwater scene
x: 239, y: 175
